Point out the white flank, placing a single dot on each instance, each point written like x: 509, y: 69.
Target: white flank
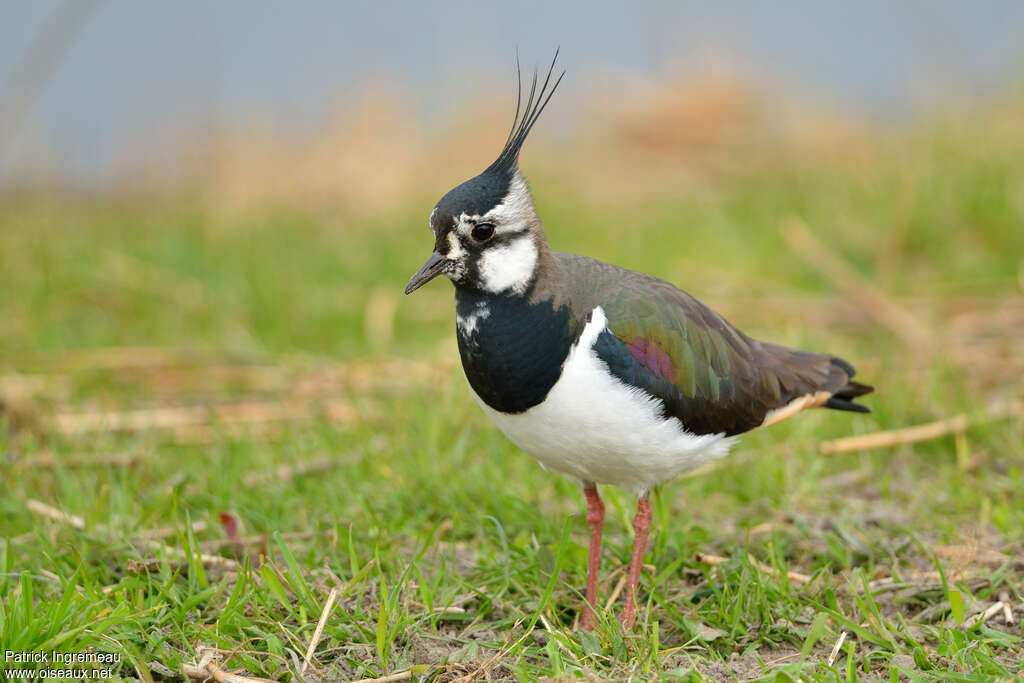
x: 509, y: 266
x: 597, y: 429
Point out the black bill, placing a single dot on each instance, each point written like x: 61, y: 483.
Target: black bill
x: 432, y: 268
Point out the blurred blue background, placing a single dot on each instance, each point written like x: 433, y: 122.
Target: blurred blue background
x: 136, y: 75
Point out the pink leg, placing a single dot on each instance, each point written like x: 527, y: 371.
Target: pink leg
x: 642, y: 527
x: 595, y: 520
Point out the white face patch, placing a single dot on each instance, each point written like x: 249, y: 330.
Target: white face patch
x: 430, y: 221
x: 457, y: 255
x: 515, y: 210
x: 455, y: 250
x: 513, y: 214
x: 510, y: 266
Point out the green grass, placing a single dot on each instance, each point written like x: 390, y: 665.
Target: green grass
x: 453, y: 554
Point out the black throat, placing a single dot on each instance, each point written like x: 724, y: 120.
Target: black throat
x: 512, y: 349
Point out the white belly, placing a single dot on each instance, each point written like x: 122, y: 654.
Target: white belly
x: 597, y: 429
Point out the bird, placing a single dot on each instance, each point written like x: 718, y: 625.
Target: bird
x: 603, y: 374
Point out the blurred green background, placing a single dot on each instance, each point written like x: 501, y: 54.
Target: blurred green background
x: 206, y: 319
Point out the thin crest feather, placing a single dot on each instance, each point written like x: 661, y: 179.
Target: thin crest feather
x: 535, y: 104
x: 519, y: 99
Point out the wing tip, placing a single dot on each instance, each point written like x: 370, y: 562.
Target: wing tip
x: 838, y: 403
x: 844, y: 366
x: 854, y: 389
x: 843, y: 399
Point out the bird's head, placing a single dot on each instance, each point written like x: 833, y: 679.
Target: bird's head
x: 486, y: 231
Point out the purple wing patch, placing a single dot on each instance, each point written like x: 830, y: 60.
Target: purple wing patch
x: 647, y: 353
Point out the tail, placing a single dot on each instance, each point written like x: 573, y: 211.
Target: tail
x: 843, y: 398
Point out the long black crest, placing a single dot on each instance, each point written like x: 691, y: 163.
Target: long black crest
x: 535, y: 103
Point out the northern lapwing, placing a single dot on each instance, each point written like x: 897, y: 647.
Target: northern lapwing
x: 603, y: 374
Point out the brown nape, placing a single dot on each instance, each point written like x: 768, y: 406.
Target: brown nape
x: 548, y: 273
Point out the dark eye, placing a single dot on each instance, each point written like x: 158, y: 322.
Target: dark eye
x: 483, y: 231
